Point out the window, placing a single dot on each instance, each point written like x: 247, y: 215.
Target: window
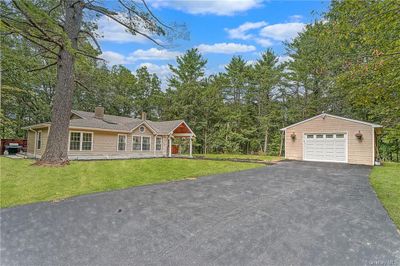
x: 329, y: 136
x: 145, y: 143
x: 38, y: 140
x: 158, y: 143
x: 310, y: 136
x: 86, y: 141
x: 141, y: 129
x: 136, y: 143
x: 121, y: 142
x: 320, y: 136
x: 80, y: 141
x: 75, y: 141
x: 339, y: 136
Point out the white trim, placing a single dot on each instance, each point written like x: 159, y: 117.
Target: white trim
x: 334, y: 116
x: 147, y: 125
x: 373, y: 146
x: 80, y: 140
x: 126, y: 141
x: 346, y: 137
x: 172, y: 131
x: 97, y: 129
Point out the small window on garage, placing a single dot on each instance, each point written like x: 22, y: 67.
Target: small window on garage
x: 310, y: 136
x: 320, y: 136
x: 339, y: 136
x: 329, y: 136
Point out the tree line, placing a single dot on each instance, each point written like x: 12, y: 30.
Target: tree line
x: 346, y: 63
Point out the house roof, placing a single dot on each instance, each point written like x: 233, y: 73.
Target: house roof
x: 116, y: 123
x: 334, y: 116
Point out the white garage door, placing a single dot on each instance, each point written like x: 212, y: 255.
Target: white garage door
x: 329, y: 147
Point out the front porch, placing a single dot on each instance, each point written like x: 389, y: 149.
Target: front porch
x: 180, y: 142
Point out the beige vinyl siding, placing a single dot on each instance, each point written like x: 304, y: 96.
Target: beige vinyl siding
x: 105, y: 144
x: 359, y: 152
x: 31, y: 142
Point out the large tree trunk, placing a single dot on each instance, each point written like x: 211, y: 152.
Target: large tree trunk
x: 56, y: 152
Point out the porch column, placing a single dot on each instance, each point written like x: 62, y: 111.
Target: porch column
x: 169, y: 146
x: 190, y: 146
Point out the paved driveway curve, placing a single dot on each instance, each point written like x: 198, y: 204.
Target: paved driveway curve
x: 292, y: 213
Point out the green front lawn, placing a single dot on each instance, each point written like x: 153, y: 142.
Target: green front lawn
x: 386, y: 182
x: 266, y: 158
x: 21, y: 183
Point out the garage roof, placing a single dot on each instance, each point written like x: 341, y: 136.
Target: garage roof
x: 334, y: 116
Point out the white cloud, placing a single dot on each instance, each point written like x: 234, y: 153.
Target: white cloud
x: 282, y: 31
x: 162, y: 71
x: 220, y: 7
x: 264, y: 42
x: 113, y: 32
x: 296, y: 18
x: 241, y: 32
x: 284, y: 58
x: 153, y: 54
x: 113, y: 58
x: 225, y: 48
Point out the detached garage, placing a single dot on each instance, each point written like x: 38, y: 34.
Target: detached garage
x: 330, y: 138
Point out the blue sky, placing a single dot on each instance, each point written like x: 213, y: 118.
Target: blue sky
x: 219, y: 29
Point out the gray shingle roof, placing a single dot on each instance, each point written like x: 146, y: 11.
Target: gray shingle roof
x: 117, y: 123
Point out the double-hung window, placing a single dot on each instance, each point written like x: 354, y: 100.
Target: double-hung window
x: 136, y: 143
x: 145, y: 143
x: 80, y: 141
x: 75, y: 141
x: 86, y: 141
x: 121, y: 142
x: 38, y: 140
x: 158, y: 143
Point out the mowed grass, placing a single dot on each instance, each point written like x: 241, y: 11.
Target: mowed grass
x: 386, y: 182
x: 21, y: 183
x: 266, y: 158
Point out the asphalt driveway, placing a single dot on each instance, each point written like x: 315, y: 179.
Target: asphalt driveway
x: 292, y: 213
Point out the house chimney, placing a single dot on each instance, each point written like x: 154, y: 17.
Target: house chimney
x: 144, y: 115
x: 99, y: 112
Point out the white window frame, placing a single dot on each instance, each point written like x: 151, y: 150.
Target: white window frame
x: 80, y: 140
x: 161, y: 142
x: 149, y: 142
x: 91, y: 140
x: 141, y: 142
x: 39, y: 139
x: 126, y: 142
x: 136, y: 136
